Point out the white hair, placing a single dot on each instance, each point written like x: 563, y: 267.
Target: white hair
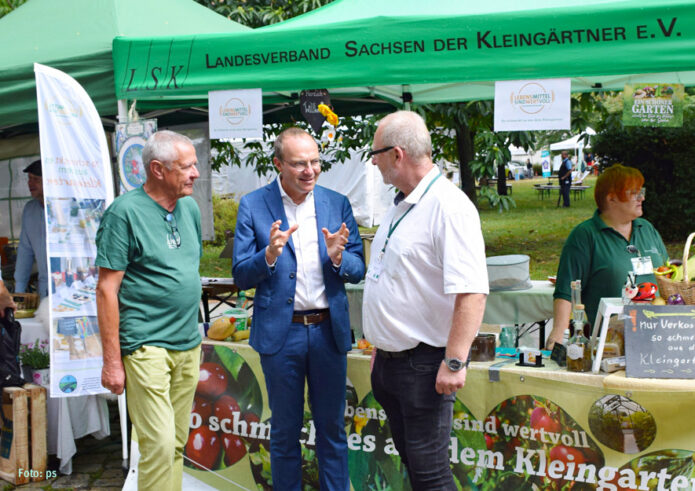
x: 407, y: 130
x: 161, y: 146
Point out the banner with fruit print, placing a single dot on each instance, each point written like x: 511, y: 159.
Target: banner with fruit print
x: 533, y: 429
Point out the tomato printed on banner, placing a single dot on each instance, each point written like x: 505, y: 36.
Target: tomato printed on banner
x: 536, y: 445
x: 225, y: 416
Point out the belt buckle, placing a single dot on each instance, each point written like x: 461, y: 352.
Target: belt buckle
x: 305, y: 319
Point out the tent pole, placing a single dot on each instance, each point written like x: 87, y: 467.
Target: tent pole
x: 122, y: 110
x: 407, y: 96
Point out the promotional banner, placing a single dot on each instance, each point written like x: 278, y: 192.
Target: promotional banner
x: 77, y: 187
x: 651, y: 104
x: 545, y: 163
x: 535, y: 428
x: 525, y: 105
x: 130, y: 140
x: 235, y: 113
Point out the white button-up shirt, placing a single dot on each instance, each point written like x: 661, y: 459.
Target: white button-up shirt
x: 435, y: 252
x: 310, y: 292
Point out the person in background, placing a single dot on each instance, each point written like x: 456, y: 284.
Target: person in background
x: 32, y: 240
x: 565, y: 177
x: 424, y: 298
x: 148, y: 295
x: 529, y: 169
x: 596, y: 251
x: 297, y: 243
x: 5, y: 298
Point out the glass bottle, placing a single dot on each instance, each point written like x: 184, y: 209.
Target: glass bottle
x: 578, y: 346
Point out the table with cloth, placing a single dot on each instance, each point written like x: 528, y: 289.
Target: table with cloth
x: 514, y: 427
x: 503, y: 307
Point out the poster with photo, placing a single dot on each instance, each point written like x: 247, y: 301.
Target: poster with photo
x: 653, y: 104
x: 72, y: 224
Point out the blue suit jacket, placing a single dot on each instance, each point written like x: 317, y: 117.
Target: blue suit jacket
x: 275, y: 287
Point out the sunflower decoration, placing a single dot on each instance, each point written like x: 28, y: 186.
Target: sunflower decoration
x: 328, y: 113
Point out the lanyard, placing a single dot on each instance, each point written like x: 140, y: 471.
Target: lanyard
x: 393, y: 226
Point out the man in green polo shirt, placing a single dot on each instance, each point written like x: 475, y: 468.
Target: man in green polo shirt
x: 148, y: 253
x: 596, y: 251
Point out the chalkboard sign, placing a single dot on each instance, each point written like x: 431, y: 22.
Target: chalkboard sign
x: 309, y: 101
x: 660, y: 341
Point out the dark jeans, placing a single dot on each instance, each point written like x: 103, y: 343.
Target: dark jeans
x: 565, y: 192
x: 420, y: 419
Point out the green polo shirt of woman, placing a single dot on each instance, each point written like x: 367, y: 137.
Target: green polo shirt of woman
x: 596, y: 251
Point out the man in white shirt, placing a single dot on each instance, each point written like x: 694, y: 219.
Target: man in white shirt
x: 297, y: 243
x: 424, y: 298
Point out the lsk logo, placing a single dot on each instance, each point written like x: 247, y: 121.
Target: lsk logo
x: 532, y: 98
x: 63, y: 111
x: 235, y: 111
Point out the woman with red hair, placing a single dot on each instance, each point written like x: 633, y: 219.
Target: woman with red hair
x: 600, y: 251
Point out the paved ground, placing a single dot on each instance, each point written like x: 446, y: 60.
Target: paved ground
x: 96, y: 466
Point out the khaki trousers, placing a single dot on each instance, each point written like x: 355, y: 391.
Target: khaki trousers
x: 160, y: 385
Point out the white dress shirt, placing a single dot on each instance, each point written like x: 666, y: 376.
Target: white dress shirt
x: 310, y: 292
x: 436, y: 252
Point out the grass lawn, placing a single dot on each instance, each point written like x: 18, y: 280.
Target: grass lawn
x: 535, y: 227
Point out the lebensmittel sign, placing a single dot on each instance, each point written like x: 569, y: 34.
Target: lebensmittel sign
x: 660, y: 341
x: 653, y: 104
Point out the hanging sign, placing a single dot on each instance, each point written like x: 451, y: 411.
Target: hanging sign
x: 235, y: 113
x: 309, y: 101
x: 653, y: 105
x: 525, y: 105
x: 78, y: 187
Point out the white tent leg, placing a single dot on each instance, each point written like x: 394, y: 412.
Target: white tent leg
x: 123, y: 413
x: 122, y: 110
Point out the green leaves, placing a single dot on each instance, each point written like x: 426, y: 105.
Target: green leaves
x: 258, y: 13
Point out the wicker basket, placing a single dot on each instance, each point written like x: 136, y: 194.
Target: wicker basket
x: 686, y: 288
x: 26, y: 301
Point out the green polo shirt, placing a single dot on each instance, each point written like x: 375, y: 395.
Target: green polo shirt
x: 159, y: 296
x: 597, y: 255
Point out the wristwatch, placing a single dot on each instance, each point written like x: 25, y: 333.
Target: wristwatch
x: 455, y: 365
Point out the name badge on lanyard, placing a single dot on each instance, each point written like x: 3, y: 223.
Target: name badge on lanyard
x: 375, y: 266
x: 642, y: 265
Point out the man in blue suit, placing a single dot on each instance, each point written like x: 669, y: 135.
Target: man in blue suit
x: 297, y: 243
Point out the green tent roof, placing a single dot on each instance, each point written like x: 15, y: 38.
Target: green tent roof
x: 443, y: 50
x: 76, y: 36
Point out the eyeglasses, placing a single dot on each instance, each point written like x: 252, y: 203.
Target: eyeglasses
x: 301, y: 166
x: 637, y: 195
x: 173, y: 237
x: 378, y: 151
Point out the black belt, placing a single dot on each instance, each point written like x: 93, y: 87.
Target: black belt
x: 420, y: 348
x: 308, y: 317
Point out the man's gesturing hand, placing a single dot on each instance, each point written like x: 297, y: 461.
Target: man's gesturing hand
x: 335, y: 243
x: 277, y: 242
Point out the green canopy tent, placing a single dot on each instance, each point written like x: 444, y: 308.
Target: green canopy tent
x: 402, y: 50
x: 76, y: 36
